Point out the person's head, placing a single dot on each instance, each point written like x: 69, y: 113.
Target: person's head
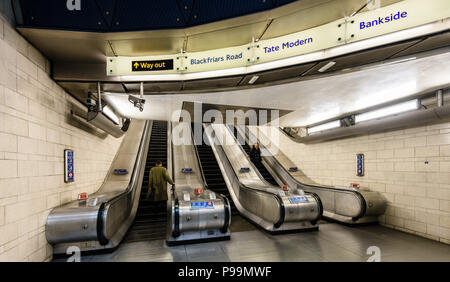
x: 256, y: 146
x: 158, y: 163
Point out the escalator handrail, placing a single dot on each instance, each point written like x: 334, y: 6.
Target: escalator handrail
x: 225, y: 200
x: 314, y: 195
x: 357, y: 193
x: 137, y: 164
x: 131, y: 185
x: 197, y: 156
x: 254, y: 190
x: 176, y: 231
x: 255, y: 169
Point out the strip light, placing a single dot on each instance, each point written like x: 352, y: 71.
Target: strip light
x: 253, y: 79
x: 388, y: 111
x: 110, y: 114
x: 327, y: 66
x: 325, y: 126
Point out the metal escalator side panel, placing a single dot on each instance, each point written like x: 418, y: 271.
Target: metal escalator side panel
x: 119, y: 212
x: 375, y: 204
x: 70, y: 223
x: 79, y: 221
x: 247, y: 200
x: 290, y: 212
x: 192, y: 223
x: 347, y: 205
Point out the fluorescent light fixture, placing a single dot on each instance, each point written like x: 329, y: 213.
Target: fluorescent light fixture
x: 110, y: 114
x: 388, y: 111
x: 327, y: 66
x: 253, y: 79
x: 325, y: 126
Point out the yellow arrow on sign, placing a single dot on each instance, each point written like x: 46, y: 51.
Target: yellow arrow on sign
x: 136, y: 65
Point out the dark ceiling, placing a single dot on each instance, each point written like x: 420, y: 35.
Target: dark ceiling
x: 134, y: 15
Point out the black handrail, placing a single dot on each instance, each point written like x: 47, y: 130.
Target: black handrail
x: 245, y: 153
x: 227, y: 210
x: 176, y: 232
x: 319, y: 203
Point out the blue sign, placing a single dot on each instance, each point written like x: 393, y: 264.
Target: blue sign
x: 202, y: 205
x: 245, y: 169
x: 186, y: 170
x: 360, y: 165
x: 383, y: 20
x: 68, y: 166
x: 293, y: 169
x: 287, y: 45
x: 299, y: 199
x: 120, y: 171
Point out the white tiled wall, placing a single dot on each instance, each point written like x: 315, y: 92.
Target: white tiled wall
x: 33, y: 136
x: 410, y: 167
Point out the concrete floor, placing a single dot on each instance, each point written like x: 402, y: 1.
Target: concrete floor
x: 333, y: 242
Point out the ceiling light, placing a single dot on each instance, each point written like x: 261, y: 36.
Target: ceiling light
x: 388, y: 111
x: 324, y: 126
x: 327, y: 66
x: 253, y: 79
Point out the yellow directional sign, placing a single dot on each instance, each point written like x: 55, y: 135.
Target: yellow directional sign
x: 155, y: 65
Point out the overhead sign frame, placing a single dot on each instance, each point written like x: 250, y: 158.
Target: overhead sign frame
x: 395, y: 17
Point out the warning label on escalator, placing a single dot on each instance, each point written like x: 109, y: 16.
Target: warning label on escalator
x: 156, y: 65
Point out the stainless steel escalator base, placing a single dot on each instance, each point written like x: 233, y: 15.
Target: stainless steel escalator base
x: 348, y: 220
x: 344, y: 205
x: 197, y: 237
x: 195, y: 216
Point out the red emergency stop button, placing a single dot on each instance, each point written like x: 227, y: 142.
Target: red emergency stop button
x: 198, y: 191
x: 82, y: 196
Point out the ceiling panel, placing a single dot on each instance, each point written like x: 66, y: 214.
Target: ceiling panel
x: 311, y: 16
x: 227, y: 37
x: 147, y: 46
x: 361, y: 58
x: 154, y: 87
x: 382, y: 3
x: 314, y: 100
x: 80, y: 90
x: 71, y: 46
x: 276, y: 75
x: 212, y: 83
x: 238, y: 111
x: 432, y: 42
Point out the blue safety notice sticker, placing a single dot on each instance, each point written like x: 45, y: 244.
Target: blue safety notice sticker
x: 299, y: 199
x: 202, y: 205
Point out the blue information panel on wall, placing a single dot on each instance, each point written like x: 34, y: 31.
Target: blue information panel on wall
x: 202, y: 205
x: 360, y: 164
x: 68, y: 166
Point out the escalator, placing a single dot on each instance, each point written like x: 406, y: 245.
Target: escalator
x: 267, y: 206
x: 341, y: 204
x: 151, y: 217
x: 212, y: 173
x: 261, y: 168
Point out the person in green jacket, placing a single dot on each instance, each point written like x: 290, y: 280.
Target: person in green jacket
x: 158, y: 179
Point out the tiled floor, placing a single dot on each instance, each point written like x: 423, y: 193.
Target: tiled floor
x: 333, y: 242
